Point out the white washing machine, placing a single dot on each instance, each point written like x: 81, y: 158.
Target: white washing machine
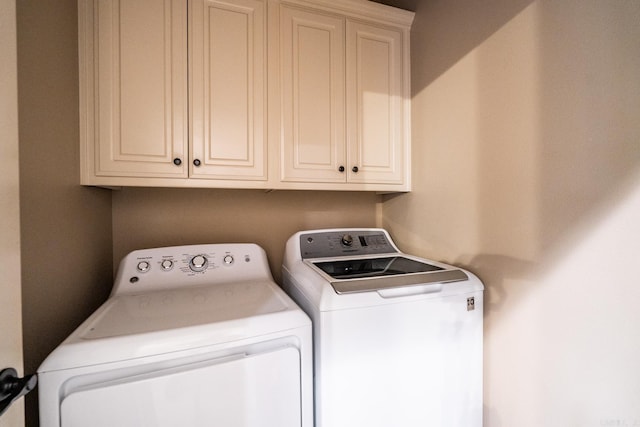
x: 190, y: 336
x: 398, y: 339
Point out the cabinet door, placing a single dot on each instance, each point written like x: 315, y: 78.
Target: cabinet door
x: 228, y: 101
x: 375, y: 102
x: 312, y: 73
x: 133, y: 73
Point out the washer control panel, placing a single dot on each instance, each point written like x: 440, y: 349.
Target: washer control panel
x: 195, y: 265
x: 343, y: 242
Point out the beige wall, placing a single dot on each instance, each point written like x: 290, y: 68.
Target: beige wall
x: 65, y: 228
x: 10, y: 291
x: 526, y: 166
x: 146, y: 217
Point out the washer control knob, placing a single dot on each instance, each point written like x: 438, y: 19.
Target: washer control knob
x: 228, y: 259
x: 198, y: 263
x: 143, y: 266
x: 347, y: 240
x: 166, y: 264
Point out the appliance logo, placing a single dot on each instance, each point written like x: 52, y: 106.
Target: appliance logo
x: 471, y: 303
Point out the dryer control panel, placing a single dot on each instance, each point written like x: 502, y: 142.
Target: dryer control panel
x: 334, y: 243
x: 194, y: 265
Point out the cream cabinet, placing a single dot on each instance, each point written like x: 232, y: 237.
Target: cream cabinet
x: 344, y: 94
x: 227, y: 54
x: 273, y: 94
x: 172, y: 95
x: 313, y: 139
x: 133, y: 89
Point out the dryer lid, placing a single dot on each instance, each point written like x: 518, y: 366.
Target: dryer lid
x: 172, y: 309
x: 133, y: 326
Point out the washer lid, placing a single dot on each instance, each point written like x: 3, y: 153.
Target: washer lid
x: 373, y: 274
x: 164, y: 310
x: 374, y: 267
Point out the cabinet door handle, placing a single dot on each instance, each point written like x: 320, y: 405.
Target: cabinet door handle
x: 177, y: 161
x: 354, y: 169
x: 341, y: 169
x: 196, y: 162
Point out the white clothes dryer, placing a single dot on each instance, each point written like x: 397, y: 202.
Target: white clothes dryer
x: 190, y: 336
x: 398, y: 339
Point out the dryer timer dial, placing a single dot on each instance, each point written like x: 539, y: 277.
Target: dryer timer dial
x: 198, y: 263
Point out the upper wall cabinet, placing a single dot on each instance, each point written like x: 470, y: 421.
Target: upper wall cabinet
x: 345, y: 97
x: 133, y: 89
x: 181, y: 93
x: 173, y: 100
x: 228, y: 89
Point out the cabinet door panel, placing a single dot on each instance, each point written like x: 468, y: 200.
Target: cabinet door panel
x: 312, y: 46
x: 228, y: 89
x: 374, y: 103
x: 139, y: 121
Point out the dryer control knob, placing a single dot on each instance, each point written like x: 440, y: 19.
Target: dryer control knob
x: 198, y: 263
x: 143, y: 266
x: 347, y: 240
x: 228, y: 259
